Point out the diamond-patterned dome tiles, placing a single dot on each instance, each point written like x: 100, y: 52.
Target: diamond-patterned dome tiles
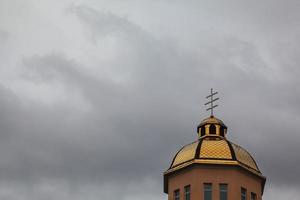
x: 243, y: 156
x: 216, y: 149
x: 186, y: 153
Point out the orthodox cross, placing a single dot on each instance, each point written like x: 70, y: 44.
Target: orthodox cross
x: 211, y: 102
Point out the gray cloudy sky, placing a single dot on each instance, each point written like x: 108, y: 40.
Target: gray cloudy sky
x: 96, y: 96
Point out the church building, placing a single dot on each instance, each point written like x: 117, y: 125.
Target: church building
x: 213, y: 168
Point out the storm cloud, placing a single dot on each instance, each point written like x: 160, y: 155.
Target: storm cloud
x: 96, y: 97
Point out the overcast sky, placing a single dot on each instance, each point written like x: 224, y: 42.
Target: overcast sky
x: 97, y: 96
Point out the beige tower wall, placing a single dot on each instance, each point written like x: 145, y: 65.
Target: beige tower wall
x: 198, y: 175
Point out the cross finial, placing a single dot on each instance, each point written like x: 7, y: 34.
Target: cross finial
x: 211, y: 102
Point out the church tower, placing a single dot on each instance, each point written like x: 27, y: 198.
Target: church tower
x: 213, y: 168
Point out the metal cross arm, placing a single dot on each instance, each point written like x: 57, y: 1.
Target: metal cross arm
x: 211, y: 108
x: 212, y: 94
x: 212, y: 101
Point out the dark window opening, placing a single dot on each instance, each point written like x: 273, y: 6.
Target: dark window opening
x: 253, y: 196
x: 202, y: 131
x: 207, y: 191
x: 223, y: 191
x: 212, y: 129
x: 243, y: 194
x: 187, y: 192
x: 222, y: 131
x: 177, y: 195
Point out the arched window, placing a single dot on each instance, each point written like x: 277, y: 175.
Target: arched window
x: 212, y: 129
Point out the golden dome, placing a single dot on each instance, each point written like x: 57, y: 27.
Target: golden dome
x: 215, y: 150
x: 212, y: 147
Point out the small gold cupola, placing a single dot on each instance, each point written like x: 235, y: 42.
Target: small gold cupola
x: 211, y: 126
